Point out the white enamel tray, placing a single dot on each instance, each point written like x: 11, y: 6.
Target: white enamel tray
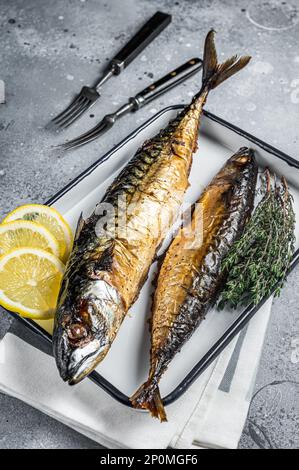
x: 126, y: 365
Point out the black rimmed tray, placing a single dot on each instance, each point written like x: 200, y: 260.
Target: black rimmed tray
x: 218, y: 139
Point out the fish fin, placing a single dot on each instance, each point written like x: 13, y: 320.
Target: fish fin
x: 148, y: 398
x: 80, y: 225
x: 215, y: 73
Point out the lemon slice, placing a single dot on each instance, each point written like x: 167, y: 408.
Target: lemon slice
x: 30, y: 280
x: 21, y: 233
x: 49, y: 218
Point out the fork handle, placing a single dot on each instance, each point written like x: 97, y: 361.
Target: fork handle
x: 167, y: 82
x: 152, y: 28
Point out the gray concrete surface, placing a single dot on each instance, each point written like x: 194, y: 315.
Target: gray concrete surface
x: 50, y: 49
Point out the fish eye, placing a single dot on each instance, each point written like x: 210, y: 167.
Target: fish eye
x: 76, y: 332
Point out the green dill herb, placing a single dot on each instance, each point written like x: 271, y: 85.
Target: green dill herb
x: 259, y: 260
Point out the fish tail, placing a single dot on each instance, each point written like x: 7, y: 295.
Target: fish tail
x: 215, y: 73
x: 148, y: 398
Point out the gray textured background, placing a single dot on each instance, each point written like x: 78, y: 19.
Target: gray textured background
x: 50, y: 49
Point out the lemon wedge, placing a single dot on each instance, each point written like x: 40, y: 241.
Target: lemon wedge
x: 51, y: 220
x: 30, y: 280
x: 23, y: 233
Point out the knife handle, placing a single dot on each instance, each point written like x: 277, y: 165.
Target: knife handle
x: 152, y: 28
x: 167, y: 82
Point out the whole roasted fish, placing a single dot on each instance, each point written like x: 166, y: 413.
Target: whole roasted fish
x: 109, y: 264
x: 190, y: 275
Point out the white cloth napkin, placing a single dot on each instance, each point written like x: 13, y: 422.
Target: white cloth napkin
x: 211, y: 414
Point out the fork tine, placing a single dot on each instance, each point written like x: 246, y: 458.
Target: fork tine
x: 72, y: 116
x: 71, y: 111
x: 87, y: 137
x: 55, y: 121
x: 75, y: 116
x: 68, y: 110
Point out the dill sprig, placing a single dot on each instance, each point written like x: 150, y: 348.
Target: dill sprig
x: 259, y: 260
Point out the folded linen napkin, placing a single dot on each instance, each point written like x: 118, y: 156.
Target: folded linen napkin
x: 211, y: 414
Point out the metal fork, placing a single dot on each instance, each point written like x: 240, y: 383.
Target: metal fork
x: 89, y: 95
x: 145, y: 96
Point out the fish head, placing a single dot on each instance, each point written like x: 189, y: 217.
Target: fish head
x: 242, y: 161
x: 84, y: 329
x: 241, y: 158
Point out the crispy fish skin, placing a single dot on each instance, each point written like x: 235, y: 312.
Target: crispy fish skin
x: 105, y: 274
x: 190, y: 276
x: 106, y: 270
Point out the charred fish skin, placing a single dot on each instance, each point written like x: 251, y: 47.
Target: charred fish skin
x: 106, y: 270
x: 207, y: 278
x: 190, y: 279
